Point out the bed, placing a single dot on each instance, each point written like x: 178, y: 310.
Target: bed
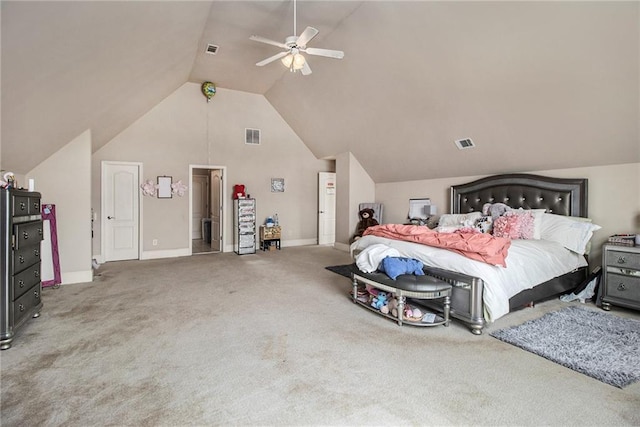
x: 478, y: 297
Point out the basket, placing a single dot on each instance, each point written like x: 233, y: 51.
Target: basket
x: 622, y: 239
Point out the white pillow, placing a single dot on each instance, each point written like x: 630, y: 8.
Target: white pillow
x: 571, y: 232
x: 454, y: 220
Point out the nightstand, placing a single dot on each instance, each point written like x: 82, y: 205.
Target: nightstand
x: 620, y: 276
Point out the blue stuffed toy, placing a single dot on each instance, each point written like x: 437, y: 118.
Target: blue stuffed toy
x: 395, y: 266
x: 380, y: 300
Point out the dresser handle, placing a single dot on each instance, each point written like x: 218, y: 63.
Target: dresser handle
x: 36, y: 294
x: 21, y: 259
x: 36, y: 206
x: 622, y: 287
x: 621, y: 260
x: 21, y: 283
x: 21, y: 307
x: 39, y: 231
x: 36, y: 273
x: 36, y: 252
x: 23, y: 206
x: 25, y: 235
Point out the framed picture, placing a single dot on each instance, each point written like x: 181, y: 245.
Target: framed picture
x: 164, y: 187
x: 277, y: 185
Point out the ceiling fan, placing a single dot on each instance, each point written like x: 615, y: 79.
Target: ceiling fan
x: 294, y: 46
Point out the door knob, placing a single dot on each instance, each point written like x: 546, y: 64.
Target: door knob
x: 111, y: 217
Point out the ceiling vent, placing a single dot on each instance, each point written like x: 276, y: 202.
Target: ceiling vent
x: 212, y: 49
x: 252, y: 136
x: 465, y: 143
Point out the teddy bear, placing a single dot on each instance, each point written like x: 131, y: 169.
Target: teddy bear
x: 238, y: 191
x: 495, y: 210
x: 366, y: 220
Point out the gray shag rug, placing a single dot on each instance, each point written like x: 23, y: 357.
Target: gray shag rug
x: 595, y: 343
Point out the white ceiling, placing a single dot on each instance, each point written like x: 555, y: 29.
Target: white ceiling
x: 537, y: 85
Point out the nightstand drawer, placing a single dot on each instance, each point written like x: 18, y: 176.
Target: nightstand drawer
x: 623, y: 287
x: 623, y: 259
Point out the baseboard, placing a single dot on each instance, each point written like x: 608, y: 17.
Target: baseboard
x: 172, y: 253
x: 342, y: 247
x: 77, y: 277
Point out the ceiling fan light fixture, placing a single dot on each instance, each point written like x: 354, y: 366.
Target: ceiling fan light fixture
x: 287, y: 60
x: 298, y: 61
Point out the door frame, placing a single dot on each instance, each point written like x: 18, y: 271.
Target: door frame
x: 103, y: 220
x: 223, y: 198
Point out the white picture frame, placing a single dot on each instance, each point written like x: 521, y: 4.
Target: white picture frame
x: 164, y: 187
x: 277, y: 185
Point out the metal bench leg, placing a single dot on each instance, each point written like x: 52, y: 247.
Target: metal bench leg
x: 447, y: 307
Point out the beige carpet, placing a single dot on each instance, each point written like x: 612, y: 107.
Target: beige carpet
x: 272, y: 339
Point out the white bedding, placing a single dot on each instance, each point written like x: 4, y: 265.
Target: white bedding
x: 529, y: 262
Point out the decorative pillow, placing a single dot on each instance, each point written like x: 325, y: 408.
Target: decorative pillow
x: 514, y: 225
x: 484, y: 224
x: 574, y: 233
x: 537, y: 220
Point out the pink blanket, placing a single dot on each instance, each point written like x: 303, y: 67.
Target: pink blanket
x: 477, y: 246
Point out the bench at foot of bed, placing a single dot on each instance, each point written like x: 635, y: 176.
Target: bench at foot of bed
x: 417, y: 288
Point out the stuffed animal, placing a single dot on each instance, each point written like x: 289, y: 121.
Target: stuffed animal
x: 366, y: 220
x: 495, y: 210
x: 393, y: 306
x: 380, y: 300
x: 238, y: 191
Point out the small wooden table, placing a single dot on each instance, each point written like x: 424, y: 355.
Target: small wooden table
x: 270, y: 236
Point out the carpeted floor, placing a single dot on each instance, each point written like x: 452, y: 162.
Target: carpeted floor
x: 591, y: 341
x: 273, y: 339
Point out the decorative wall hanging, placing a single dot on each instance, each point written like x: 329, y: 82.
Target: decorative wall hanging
x: 208, y: 90
x: 164, y: 187
x: 179, y: 188
x: 50, y: 266
x: 277, y: 185
x: 148, y: 188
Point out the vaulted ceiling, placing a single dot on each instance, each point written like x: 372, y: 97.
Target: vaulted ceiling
x: 536, y: 85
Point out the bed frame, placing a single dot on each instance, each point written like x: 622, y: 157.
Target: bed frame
x: 556, y: 195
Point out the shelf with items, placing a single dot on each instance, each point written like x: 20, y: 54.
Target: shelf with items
x: 270, y: 237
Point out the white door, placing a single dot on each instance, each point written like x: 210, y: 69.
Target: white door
x: 120, y: 210
x: 216, y: 210
x: 326, y: 208
x: 200, y: 204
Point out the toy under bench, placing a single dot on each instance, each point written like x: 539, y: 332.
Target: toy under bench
x: 406, y: 286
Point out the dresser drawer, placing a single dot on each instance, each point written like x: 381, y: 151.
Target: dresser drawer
x: 21, y: 282
x: 20, y: 206
x: 27, y: 234
x: 623, y: 259
x: 24, y: 257
x: 25, y: 304
x: 623, y: 287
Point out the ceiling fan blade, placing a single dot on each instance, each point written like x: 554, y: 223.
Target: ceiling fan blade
x: 306, y: 36
x: 306, y: 70
x: 337, y: 54
x: 272, y: 58
x: 268, y: 41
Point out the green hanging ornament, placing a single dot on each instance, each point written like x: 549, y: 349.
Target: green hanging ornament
x: 208, y: 90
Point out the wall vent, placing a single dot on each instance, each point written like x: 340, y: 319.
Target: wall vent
x: 252, y: 136
x: 212, y: 49
x: 465, y: 143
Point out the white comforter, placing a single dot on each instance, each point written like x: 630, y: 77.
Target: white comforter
x: 529, y: 263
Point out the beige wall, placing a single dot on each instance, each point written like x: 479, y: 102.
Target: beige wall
x: 64, y: 179
x: 355, y: 186
x: 614, y: 197
x: 184, y: 130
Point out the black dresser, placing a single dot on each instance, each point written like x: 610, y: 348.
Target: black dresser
x: 20, y: 236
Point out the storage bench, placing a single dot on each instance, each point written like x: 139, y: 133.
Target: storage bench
x: 405, y: 286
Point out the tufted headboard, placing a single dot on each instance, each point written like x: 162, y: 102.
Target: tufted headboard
x: 558, y: 195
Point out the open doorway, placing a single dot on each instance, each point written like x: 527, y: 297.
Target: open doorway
x: 206, y: 209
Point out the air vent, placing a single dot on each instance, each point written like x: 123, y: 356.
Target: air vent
x: 212, y: 49
x: 465, y: 143
x: 252, y: 136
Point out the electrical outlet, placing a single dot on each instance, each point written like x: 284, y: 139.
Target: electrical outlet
x: 154, y: 242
